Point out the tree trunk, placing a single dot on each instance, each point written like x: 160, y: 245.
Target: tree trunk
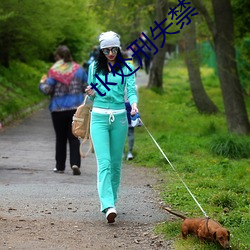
x: 156, y: 71
x: 235, y: 109
x: 201, y: 99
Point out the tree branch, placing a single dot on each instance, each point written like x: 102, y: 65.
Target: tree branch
x: 202, y: 9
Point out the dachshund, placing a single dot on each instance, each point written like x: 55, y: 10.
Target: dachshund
x: 204, y: 229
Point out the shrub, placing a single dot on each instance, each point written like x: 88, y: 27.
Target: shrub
x: 223, y: 200
x: 231, y: 146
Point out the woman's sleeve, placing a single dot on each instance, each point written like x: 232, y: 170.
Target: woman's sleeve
x: 47, y: 87
x: 91, y: 77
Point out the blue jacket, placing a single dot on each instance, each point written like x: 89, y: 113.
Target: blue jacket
x: 65, y: 97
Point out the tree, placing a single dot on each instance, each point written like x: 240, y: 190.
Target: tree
x: 242, y: 32
x: 23, y: 33
x: 28, y: 33
x: 201, y: 99
x: 156, y: 71
x: 127, y: 18
x: 241, y: 17
x: 223, y: 37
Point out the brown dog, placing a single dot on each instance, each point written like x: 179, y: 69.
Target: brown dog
x: 204, y: 229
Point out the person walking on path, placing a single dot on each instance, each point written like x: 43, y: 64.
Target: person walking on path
x: 130, y: 133
x: 130, y: 138
x: 109, y: 123
x: 65, y: 84
x: 147, y: 59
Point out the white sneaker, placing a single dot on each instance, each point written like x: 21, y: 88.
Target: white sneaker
x: 111, y: 214
x: 130, y: 156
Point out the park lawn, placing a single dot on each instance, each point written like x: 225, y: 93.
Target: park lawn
x: 190, y: 140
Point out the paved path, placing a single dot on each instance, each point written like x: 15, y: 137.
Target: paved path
x: 29, y: 189
x: 141, y: 78
x: 26, y: 163
x: 27, y: 159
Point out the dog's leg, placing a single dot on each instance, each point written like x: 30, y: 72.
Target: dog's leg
x: 184, y: 235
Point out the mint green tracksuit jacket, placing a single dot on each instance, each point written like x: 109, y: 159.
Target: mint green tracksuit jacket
x: 109, y: 132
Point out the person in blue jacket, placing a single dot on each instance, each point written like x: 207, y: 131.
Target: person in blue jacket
x: 65, y: 83
x: 109, y: 124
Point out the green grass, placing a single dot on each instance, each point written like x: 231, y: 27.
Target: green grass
x: 214, y: 164
x: 19, y: 88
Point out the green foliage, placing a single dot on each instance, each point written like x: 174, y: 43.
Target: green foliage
x: 202, y: 31
x: 19, y: 87
x: 243, y: 60
x: 241, y: 17
x: 28, y: 33
x: 231, y: 146
x: 224, y: 200
x: 128, y: 18
x: 219, y: 183
x: 208, y: 58
x: 242, y: 37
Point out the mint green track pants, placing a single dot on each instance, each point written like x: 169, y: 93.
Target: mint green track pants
x: 108, y: 136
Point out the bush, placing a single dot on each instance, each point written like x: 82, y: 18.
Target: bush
x: 231, y: 146
x: 19, y: 88
x: 224, y: 200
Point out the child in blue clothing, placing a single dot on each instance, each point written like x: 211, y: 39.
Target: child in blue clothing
x: 130, y: 133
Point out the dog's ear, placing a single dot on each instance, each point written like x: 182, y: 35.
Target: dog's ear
x: 228, y: 237
x: 214, y: 235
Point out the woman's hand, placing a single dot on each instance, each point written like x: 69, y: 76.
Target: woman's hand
x: 89, y: 91
x: 43, y: 79
x: 134, y: 109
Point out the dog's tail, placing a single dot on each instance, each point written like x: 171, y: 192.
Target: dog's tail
x: 175, y: 213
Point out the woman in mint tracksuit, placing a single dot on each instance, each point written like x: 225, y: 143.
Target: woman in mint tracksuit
x: 109, y: 123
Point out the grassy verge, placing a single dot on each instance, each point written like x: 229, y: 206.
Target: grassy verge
x: 19, y: 88
x: 214, y: 164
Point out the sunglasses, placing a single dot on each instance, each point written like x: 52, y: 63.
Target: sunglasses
x: 107, y: 51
